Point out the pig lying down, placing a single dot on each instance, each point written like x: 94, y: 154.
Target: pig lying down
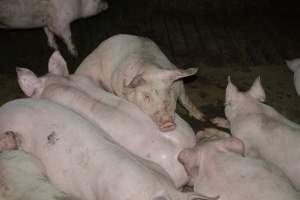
x: 134, y: 68
x: 122, y: 120
x: 294, y: 65
x: 266, y: 133
x: 21, y: 177
x: 219, y: 168
x: 54, y: 15
x: 80, y: 158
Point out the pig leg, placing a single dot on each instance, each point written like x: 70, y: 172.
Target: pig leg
x: 8, y: 141
x: 51, y: 39
x: 220, y: 122
x: 64, y: 32
x: 186, y: 102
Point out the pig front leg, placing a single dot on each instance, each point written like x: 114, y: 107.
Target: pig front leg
x: 8, y: 141
x: 187, y: 103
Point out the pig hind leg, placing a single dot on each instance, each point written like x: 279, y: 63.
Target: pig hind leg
x: 51, y: 39
x: 187, y: 103
x: 9, y: 141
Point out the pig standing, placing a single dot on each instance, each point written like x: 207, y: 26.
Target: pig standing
x: 21, y: 177
x: 122, y: 120
x: 54, y: 15
x: 80, y: 158
x: 294, y: 65
x: 218, y: 168
x: 266, y: 133
x: 135, y: 68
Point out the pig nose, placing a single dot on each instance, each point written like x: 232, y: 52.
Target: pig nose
x: 167, y: 126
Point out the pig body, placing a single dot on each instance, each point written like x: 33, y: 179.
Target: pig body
x: 80, y: 158
x: 220, y: 170
x: 134, y: 68
x: 122, y: 120
x: 294, y: 65
x: 266, y: 133
x: 54, y: 15
x: 22, y: 177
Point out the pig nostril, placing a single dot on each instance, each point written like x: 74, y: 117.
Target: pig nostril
x: 168, y: 126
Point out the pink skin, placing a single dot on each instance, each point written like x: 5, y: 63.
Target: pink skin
x: 219, y: 168
x: 126, y: 124
x: 91, y: 165
x: 54, y: 16
x: 266, y: 133
x: 135, y: 68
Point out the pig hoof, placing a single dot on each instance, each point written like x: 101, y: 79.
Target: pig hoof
x: 74, y: 52
x: 220, y: 122
x: 198, y: 115
x: 104, y: 5
x: 166, y: 127
x: 8, y: 141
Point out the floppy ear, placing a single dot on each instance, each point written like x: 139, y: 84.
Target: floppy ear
x: 28, y: 81
x: 188, y: 158
x: 231, y: 92
x: 257, y: 91
x: 175, y: 74
x: 57, y: 65
x: 231, y: 144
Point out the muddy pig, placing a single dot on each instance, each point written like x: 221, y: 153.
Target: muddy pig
x: 54, y: 15
x: 135, y: 68
x: 219, y: 168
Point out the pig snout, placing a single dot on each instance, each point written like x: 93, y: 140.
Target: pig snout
x: 167, y: 126
x: 164, y: 121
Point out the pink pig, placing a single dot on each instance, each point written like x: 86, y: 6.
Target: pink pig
x: 134, y: 68
x: 122, y: 120
x: 80, y: 158
x: 266, y: 133
x: 219, y: 168
x: 54, y: 15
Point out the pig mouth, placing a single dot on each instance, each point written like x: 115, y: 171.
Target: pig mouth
x: 168, y: 126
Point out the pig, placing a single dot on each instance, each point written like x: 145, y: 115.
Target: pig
x: 135, y: 68
x: 294, y: 66
x: 80, y: 158
x: 219, y: 168
x: 266, y: 133
x: 22, y: 177
x: 122, y: 120
x: 55, y: 16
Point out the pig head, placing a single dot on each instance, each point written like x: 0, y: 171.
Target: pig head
x: 155, y: 93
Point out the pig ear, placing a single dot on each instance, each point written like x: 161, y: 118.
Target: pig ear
x: 231, y: 92
x: 57, y: 65
x: 187, y: 157
x: 231, y: 144
x: 293, y: 64
x: 136, y: 81
x: 257, y: 91
x: 173, y: 75
x: 28, y: 81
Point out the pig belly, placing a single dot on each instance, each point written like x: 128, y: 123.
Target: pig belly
x: 23, y: 14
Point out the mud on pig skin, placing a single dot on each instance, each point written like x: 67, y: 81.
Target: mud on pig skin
x: 91, y: 165
x: 54, y: 15
x: 22, y: 177
x: 266, y: 133
x: 135, y: 68
x: 122, y: 120
x: 219, y: 168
